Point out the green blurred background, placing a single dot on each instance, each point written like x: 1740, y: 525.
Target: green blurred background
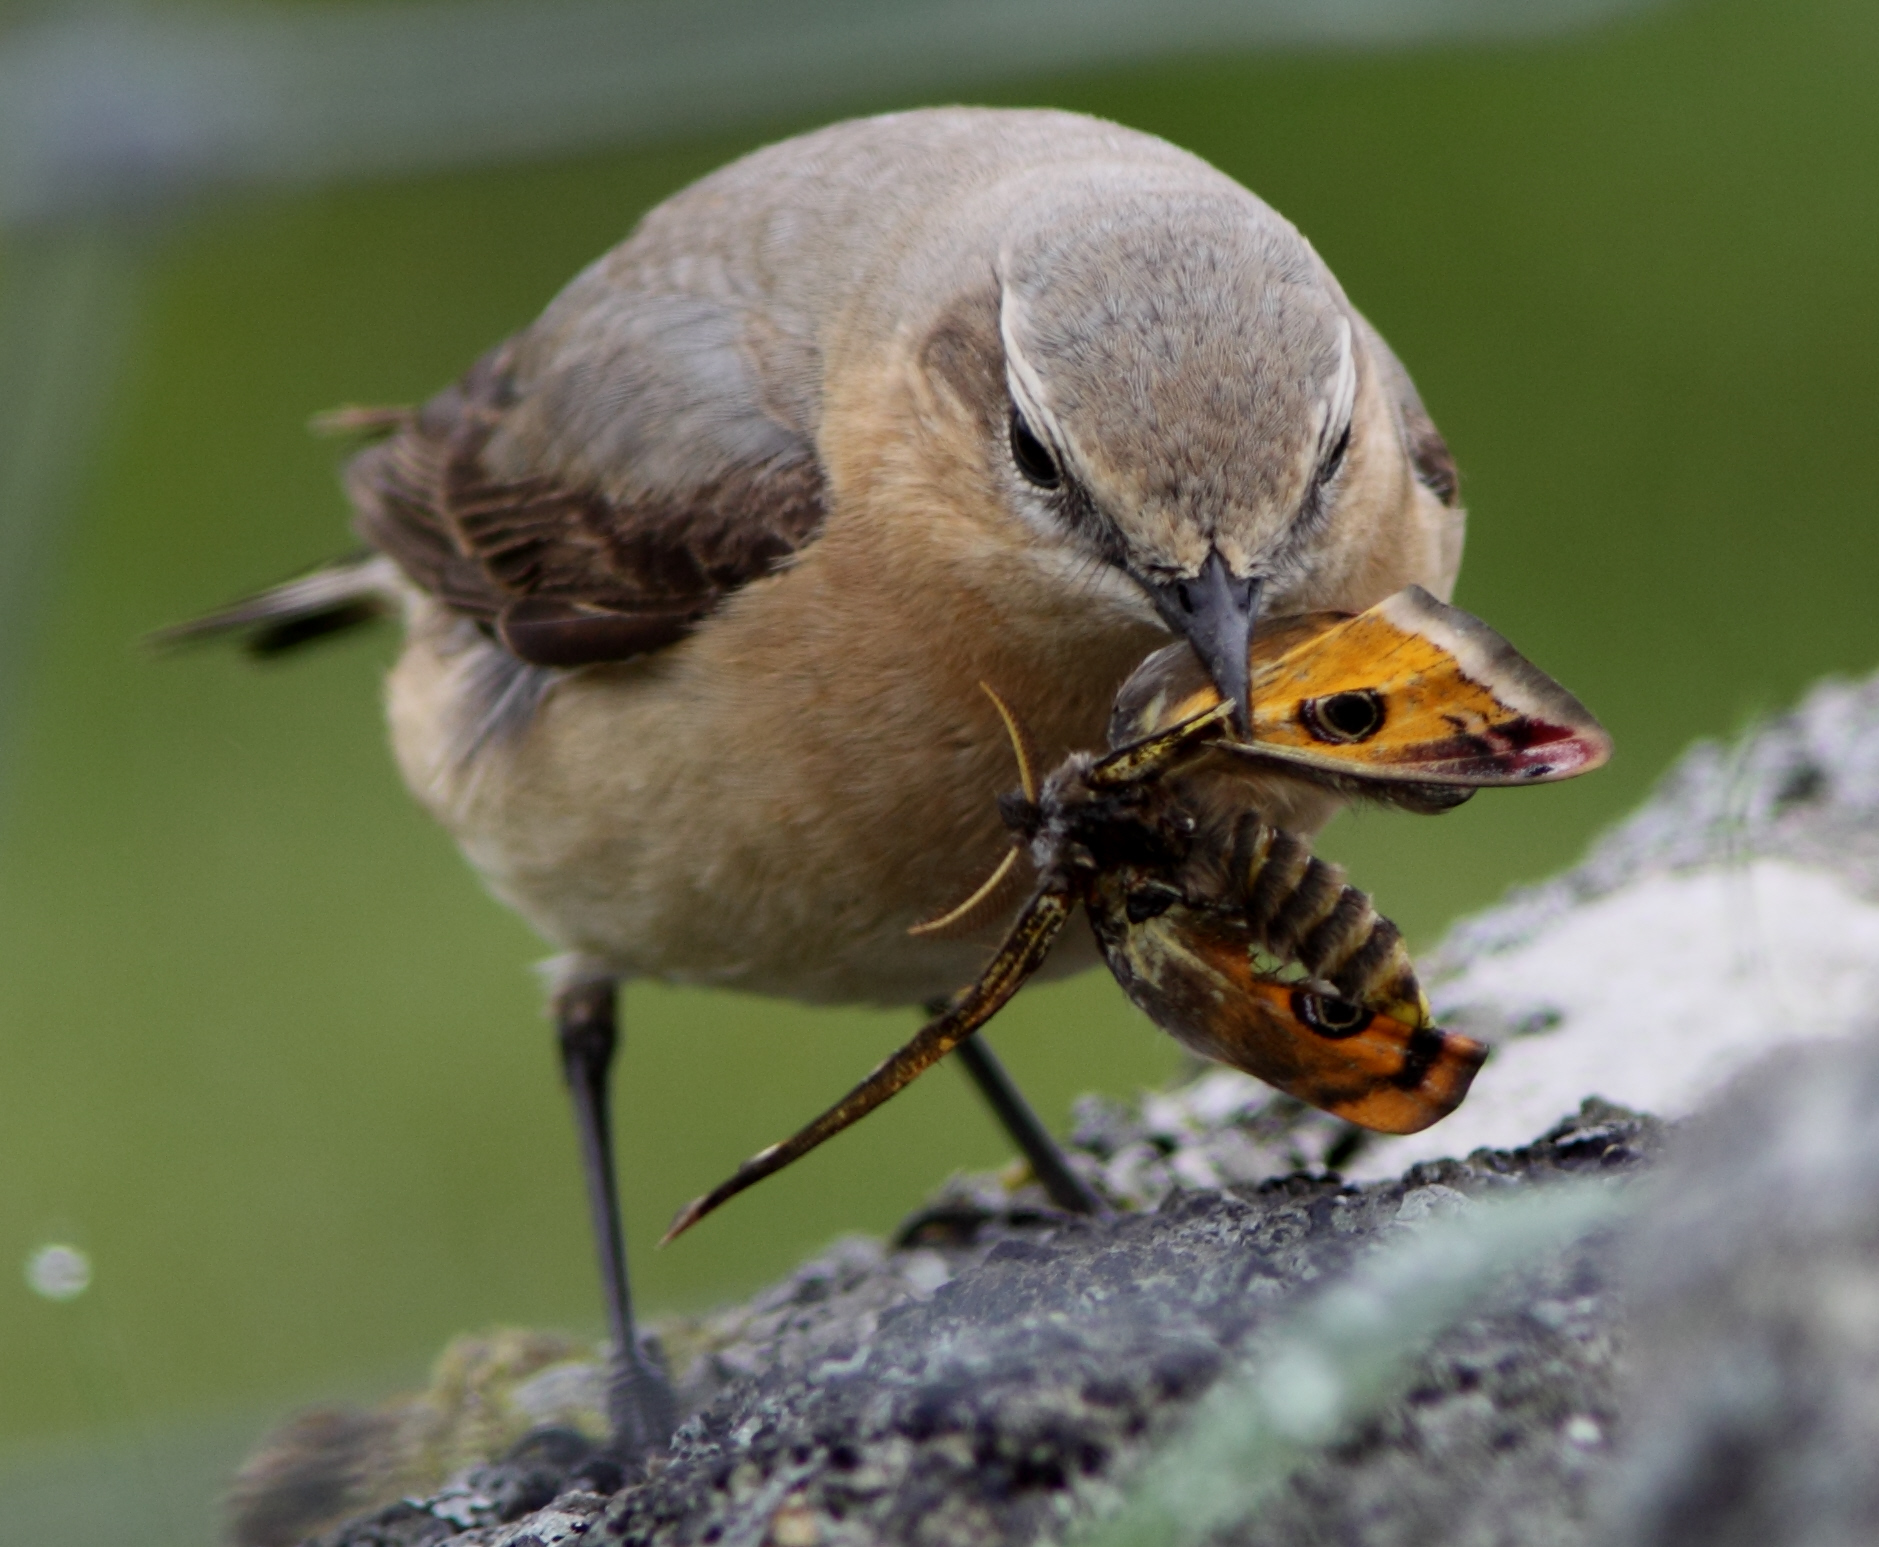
x: 269, y: 1055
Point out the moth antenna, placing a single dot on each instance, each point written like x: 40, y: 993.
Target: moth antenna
x: 1021, y: 745
x: 1025, y: 947
x: 963, y: 915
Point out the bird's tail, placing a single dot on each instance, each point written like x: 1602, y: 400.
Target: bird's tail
x: 329, y: 600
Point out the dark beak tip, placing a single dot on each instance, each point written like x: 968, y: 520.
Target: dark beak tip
x: 1215, y: 613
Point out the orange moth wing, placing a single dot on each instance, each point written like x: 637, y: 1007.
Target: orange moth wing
x: 1412, y: 691
x: 1193, y: 974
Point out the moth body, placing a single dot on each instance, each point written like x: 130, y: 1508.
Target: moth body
x: 1131, y: 850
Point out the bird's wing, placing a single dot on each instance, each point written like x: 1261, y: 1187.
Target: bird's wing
x: 595, y: 487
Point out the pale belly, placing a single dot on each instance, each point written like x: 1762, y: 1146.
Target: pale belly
x: 625, y: 825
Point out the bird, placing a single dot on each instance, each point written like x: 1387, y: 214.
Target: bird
x: 701, y: 572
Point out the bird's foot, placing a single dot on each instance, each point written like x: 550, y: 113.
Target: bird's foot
x: 641, y: 1404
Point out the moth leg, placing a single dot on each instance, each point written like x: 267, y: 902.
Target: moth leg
x: 1065, y: 1188
x: 1154, y: 755
x: 1024, y: 949
x: 640, y: 1404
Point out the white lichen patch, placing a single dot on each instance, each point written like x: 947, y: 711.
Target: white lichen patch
x: 1652, y: 996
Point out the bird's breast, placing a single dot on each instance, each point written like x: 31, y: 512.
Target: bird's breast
x: 772, y: 803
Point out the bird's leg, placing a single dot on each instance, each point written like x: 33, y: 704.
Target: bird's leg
x: 639, y: 1399
x: 1065, y: 1188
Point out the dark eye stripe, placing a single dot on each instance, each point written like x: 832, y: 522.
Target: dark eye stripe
x: 1032, y: 455
x: 1327, y: 469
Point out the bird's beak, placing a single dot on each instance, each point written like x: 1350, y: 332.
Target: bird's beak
x: 1215, y: 613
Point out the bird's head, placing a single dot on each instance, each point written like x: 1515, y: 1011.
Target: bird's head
x: 1183, y: 407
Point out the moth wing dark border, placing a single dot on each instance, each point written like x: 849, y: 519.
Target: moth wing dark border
x: 1416, y: 788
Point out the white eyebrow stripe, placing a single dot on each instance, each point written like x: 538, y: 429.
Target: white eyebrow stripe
x: 1021, y: 380
x: 1027, y: 396
x: 1342, y: 402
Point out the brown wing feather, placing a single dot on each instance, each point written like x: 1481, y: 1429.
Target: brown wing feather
x: 562, y: 574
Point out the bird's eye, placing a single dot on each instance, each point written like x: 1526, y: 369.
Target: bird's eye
x: 1327, y: 469
x: 1032, y: 455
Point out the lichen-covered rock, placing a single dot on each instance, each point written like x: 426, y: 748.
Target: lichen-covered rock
x: 1006, y: 1389
x: 487, y: 1394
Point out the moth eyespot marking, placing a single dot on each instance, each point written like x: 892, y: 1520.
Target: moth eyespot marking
x: 1335, y: 1019
x: 1348, y: 717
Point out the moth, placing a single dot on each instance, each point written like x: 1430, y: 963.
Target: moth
x: 1414, y: 703
x: 1227, y: 932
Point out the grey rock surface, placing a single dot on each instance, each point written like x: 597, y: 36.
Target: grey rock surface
x: 1705, y: 1371
x: 1753, y: 1280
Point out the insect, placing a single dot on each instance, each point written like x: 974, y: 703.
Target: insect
x: 1414, y: 703
x: 1226, y: 931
